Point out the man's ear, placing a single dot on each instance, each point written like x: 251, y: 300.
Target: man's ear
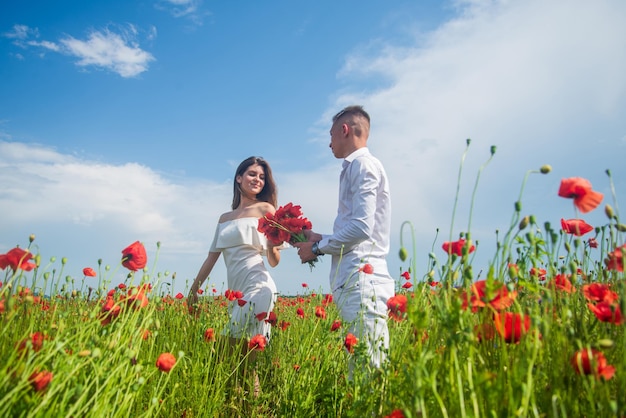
x: 345, y: 129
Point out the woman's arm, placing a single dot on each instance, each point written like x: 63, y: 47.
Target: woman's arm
x: 273, y: 254
x: 202, y: 275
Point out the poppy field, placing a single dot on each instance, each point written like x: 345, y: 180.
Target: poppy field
x: 541, y: 334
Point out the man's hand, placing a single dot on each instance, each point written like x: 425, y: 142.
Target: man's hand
x: 304, y: 251
x: 312, y: 236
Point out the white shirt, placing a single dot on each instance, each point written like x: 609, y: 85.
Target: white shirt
x: 363, y: 224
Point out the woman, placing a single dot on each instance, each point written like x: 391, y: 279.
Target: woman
x: 237, y: 237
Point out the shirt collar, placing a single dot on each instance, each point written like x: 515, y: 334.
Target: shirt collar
x: 355, y: 154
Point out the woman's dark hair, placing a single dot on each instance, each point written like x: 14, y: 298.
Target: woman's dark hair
x: 268, y: 194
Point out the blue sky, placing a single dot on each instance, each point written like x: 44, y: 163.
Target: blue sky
x: 124, y: 121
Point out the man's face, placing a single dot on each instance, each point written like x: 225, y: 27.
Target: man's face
x: 337, y: 140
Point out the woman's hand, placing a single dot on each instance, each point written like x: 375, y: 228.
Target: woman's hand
x: 192, y: 302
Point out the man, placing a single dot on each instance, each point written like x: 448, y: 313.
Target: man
x: 359, y: 244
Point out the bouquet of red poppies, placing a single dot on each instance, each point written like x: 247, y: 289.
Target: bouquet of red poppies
x: 286, y: 224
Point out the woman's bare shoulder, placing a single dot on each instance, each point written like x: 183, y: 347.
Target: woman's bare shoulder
x: 266, y: 207
x: 227, y: 216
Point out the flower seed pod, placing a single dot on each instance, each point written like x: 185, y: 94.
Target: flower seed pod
x: 545, y: 169
x: 608, y: 210
x: 524, y: 222
x: 518, y: 206
x: 403, y: 254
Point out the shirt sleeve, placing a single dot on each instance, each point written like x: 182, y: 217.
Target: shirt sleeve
x: 213, y: 248
x: 361, y: 181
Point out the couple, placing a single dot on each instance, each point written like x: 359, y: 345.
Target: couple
x: 360, y: 235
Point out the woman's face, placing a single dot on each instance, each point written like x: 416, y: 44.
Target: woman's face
x: 252, y: 180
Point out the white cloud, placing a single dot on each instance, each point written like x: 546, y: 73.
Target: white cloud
x: 45, y: 44
x: 189, y: 9
x: 116, y: 52
x: 21, y: 32
x: 110, y: 51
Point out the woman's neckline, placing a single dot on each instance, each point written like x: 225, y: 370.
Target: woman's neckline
x: 235, y: 219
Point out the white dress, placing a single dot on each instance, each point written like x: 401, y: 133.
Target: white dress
x: 243, y: 248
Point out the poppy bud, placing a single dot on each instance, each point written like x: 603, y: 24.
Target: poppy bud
x: 567, y: 247
x: 31, y: 238
x: 492, y: 149
x: 605, y: 343
x: 524, y: 222
x: 403, y: 254
x: 608, y: 210
x: 518, y: 206
x: 468, y: 141
x: 545, y: 169
x: 64, y: 260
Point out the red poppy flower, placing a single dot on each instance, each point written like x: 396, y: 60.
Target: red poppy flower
x: 539, y: 273
x: 209, y: 335
x: 272, y: 319
x: 17, y: 258
x: 110, y: 310
x: 576, y: 227
x: 40, y: 380
x: 591, y: 361
x: 200, y: 291
x: 89, y: 272
x: 134, y: 256
x: 145, y: 334
x: 300, y: 312
x: 121, y: 286
x: 286, y: 224
x: 232, y: 295
x: 615, y: 260
x: 320, y: 312
x: 396, y: 413
x: 511, y: 326
x: 328, y: 299
x: 336, y: 325
x: 593, y: 243
x: 561, y: 282
x: 579, y: 189
x: 305, y: 285
x: 607, y: 312
x: 179, y: 295
x: 599, y: 292
x: 407, y: 285
x: 166, y: 362
x: 367, y: 268
x: 350, y: 341
x: 258, y: 342
x: 36, y: 342
x: 457, y: 247
x: 406, y: 275
x: 136, y: 298
x: 397, y: 307
x: 495, y: 296
x: 284, y: 325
